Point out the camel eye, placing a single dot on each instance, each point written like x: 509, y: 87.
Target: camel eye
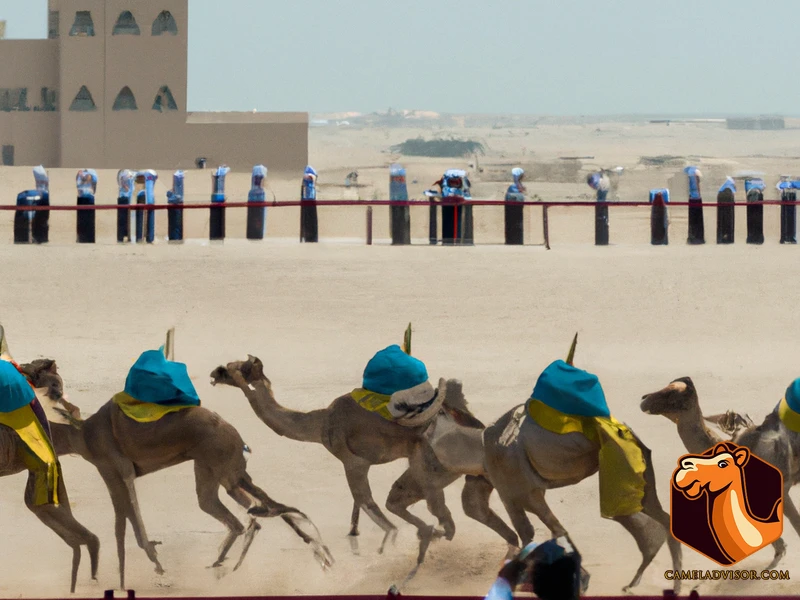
x: 722, y: 464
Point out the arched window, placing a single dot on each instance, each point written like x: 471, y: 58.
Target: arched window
x: 125, y: 100
x: 165, y: 23
x: 165, y: 100
x: 83, y: 25
x: 83, y: 101
x: 126, y: 24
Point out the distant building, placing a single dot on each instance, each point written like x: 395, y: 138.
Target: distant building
x: 756, y: 123
x: 107, y: 89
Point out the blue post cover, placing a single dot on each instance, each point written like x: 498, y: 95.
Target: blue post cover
x: 155, y: 379
x: 571, y: 390
x: 398, y: 189
x: 729, y: 184
x: 694, y: 182
x: 755, y: 183
x: 664, y: 194
x: 125, y: 182
x: 41, y: 178
x: 15, y: 391
x: 309, y: 188
x: 218, y: 183
x: 392, y: 370
x: 175, y: 195
x: 86, y: 182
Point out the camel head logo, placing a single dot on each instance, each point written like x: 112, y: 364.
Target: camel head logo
x: 726, y: 503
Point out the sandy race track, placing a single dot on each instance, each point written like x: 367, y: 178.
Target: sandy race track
x: 491, y: 315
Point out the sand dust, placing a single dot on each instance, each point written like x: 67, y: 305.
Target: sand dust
x: 491, y: 315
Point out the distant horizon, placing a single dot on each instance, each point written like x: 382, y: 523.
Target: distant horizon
x: 511, y: 57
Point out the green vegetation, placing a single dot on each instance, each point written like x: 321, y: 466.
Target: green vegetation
x: 439, y: 148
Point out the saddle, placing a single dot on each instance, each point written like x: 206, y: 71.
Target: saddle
x: 410, y: 408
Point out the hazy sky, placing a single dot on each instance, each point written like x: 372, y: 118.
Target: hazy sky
x: 555, y: 57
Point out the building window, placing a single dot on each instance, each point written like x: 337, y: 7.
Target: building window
x: 125, y: 100
x: 49, y: 100
x: 165, y: 23
x: 83, y: 101
x: 15, y: 99
x: 165, y: 100
x: 83, y: 25
x: 52, y: 25
x: 126, y: 24
x: 8, y: 156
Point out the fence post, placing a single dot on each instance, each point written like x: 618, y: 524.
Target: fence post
x: 755, y: 210
x: 125, y: 182
x: 150, y: 178
x: 725, y: 214
x: 788, y: 211
x: 86, y: 182
x: 257, y: 216
x: 22, y: 218
x: 369, y: 226
x: 399, y: 216
x: 696, y: 226
x: 467, y: 237
x: 659, y: 219
x: 309, y: 230
x: 546, y: 227
x: 514, y: 217
x: 40, y: 226
x: 601, y: 219
x: 141, y: 199
x: 216, y: 226
x: 433, y: 225
x: 175, y: 215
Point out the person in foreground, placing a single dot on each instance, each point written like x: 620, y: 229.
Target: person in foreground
x: 551, y: 570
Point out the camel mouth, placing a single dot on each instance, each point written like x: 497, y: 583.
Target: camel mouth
x: 219, y: 376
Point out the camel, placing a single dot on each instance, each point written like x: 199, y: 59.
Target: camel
x: 122, y: 449
x: 719, y: 480
x: 771, y: 441
x: 57, y: 517
x: 523, y: 460
x: 439, y: 452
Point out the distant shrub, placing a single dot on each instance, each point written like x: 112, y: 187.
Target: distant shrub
x: 441, y: 148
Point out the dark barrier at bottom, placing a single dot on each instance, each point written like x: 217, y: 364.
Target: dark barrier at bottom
x: 789, y: 219
x: 601, y: 225
x: 457, y: 225
x: 659, y: 223
x: 309, y: 229
x: 175, y: 219
x: 35, y: 228
x: 256, y: 217
x: 515, y: 231
x: 725, y: 217
x: 216, y: 224
x: 85, y: 224
x: 433, y: 225
x: 400, y: 218
x: 123, y: 220
x: 755, y: 217
x: 697, y: 233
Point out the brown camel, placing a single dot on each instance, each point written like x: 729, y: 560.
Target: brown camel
x: 123, y: 449
x: 524, y: 460
x: 439, y: 451
x: 58, y: 517
x: 770, y: 441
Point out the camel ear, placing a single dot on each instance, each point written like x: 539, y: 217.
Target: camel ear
x: 720, y: 448
x: 740, y: 456
x: 48, y: 364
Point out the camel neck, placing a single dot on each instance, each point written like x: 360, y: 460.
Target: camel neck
x: 731, y: 518
x: 693, y: 432
x: 300, y: 426
x: 68, y: 439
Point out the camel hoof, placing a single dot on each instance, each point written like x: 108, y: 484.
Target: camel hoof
x: 159, y: 570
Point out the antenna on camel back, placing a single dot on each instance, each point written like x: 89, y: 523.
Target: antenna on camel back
x: 4, y: 353
x: 407, y: 340
x: 571, y: 355
x: 169, y: 346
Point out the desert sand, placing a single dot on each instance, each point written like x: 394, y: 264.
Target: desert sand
x: 492, y: 315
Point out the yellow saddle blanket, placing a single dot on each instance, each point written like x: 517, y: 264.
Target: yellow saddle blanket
x: 621, y: 462
x: 42, y: 461
x: 145, y: 412
x: 373, y: 402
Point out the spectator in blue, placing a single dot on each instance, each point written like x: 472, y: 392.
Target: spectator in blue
x: 308, y: 210
x: 551, y: 570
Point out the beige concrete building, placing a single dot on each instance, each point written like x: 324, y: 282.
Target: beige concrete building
x: 107, y: 90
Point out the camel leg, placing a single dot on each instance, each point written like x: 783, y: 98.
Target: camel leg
x: 649, y: 539
x: 123, y: 497
x: 207, y: 486
x: 475, y: 502
x: 247, y: 501
x: 63, y: 523
x: 357, y: 478
x: 353, y: 535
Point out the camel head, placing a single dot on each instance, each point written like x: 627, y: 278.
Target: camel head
x: 679, y: 397
x: 249, y: 371
x: 712, y: 473
x: 49, y: 387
